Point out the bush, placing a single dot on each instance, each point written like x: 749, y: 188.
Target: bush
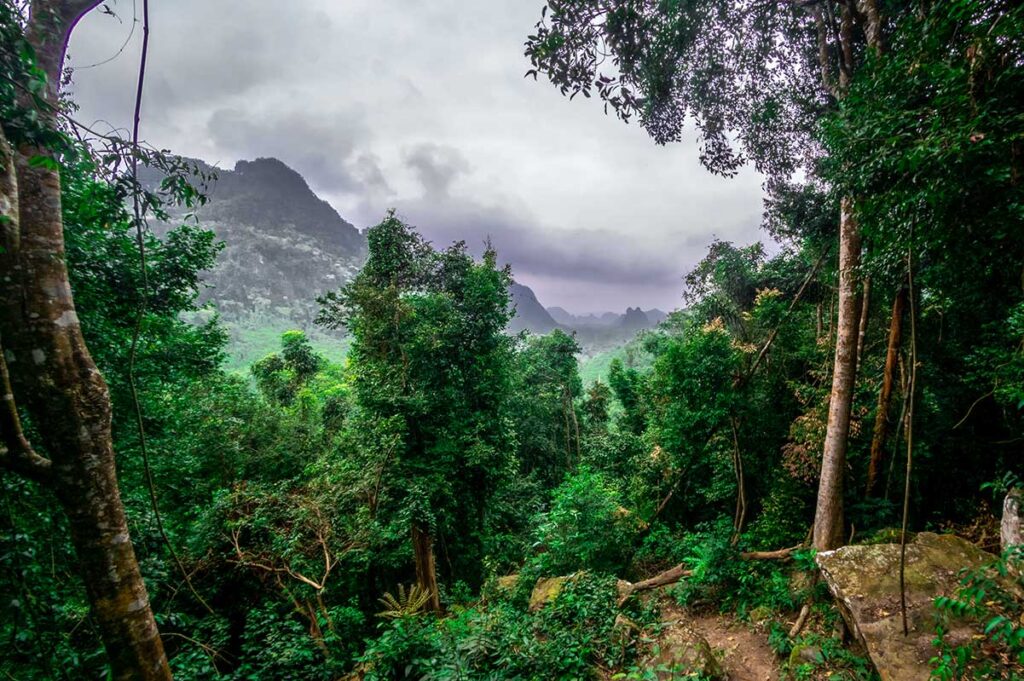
x: 568, y: 639
x: 586, y: 529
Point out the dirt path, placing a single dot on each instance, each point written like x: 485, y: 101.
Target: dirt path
x: 746, y: 655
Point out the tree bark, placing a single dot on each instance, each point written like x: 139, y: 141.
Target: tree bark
x: 828, y: 519
x: 426, y: 569
x: 865, y: 306
x: 57, y: 383
x: 881, y: 429
x: 873, y: 25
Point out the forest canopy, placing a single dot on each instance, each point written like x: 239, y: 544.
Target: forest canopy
x: 452, y: 500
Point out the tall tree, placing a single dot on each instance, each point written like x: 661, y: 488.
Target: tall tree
x: 760, y: 74
x: 53, y: 376
x: 429, y: 356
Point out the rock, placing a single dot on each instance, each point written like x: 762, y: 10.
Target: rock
x: 545, y: 591
x: 806, y: 655
x: 760, y: 614
x: 684, y: 652
x: 865, y: 581
x: 508, y: 582
x: 1010, y: 526
x: 499, y: 588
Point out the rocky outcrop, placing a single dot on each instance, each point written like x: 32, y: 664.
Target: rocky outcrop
x: 283, y: 245
x: 865, y: 581
x: 546, y: 591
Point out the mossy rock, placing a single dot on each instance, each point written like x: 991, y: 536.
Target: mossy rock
x: 546, y: 591
x: 865, y: 579
x: 683, y: 651
x: 760, y: 614
x: 500, y: 588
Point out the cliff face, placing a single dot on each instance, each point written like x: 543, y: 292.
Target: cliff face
x: 283, y: 245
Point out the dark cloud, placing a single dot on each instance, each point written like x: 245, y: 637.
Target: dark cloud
x: 436, y: 166
x: 423, y: 107
x: 587, y: 256
x: 327, y: 152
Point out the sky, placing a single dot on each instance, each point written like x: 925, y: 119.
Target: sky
x: 423, y: 107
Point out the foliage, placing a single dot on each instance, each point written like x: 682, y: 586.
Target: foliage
x: 568, y: 639
x: 290, y: 493
x: 989, y: 598
x: 405, y: 604
x: 586, y: 528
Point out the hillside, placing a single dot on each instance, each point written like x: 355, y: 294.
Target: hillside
x: 284, y: 246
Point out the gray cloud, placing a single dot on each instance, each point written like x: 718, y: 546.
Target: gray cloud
x: 327, y: 152
x: 436, y: 166
x: 423, y: 107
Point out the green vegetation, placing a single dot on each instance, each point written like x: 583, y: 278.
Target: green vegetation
x: 385, y: 507
x: 253, y: 338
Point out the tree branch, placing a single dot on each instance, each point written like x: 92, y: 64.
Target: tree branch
x: 670, y: 576
x: 17, y: 453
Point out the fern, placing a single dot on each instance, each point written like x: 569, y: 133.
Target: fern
x: 407, y: 604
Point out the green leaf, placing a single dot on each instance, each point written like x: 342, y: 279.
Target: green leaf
x: 41, y: 161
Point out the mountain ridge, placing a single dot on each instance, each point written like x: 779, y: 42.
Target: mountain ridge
x: 285, y: 247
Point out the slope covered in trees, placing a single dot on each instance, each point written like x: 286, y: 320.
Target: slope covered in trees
x: 454, y: 502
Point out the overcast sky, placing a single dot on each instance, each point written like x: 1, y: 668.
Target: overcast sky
x: 422, y: 106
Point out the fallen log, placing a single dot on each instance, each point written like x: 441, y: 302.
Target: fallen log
x: 779, y: 554
x: 670, y: 576
x: 801, y: 620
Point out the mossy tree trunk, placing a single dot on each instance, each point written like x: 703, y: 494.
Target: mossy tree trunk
x: 54, y: 379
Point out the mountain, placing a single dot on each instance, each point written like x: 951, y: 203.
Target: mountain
x: 633, y: 319
x: 595, y: 333
x: 530, y: 314
x: 656, y: 316
x: 561, y: 315
x: 283, y: 245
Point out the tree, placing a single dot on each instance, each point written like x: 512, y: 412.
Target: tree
x: 281, y: 376
x: 430, y: 361
x: 47, y: 370
x: 626, y: 384
x: 762, y: 73
x: 547, y: 384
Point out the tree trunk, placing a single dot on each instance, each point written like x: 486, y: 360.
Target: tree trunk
x: 865, y: 306
x: 57, y: 383
x: 828, y: 519
x: 426, y: 570
x: 881, y: 430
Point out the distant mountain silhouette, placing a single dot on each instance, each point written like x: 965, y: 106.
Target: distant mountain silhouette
x: 592, y: 331
x: 530, y: 314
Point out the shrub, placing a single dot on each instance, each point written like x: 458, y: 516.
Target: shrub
x: 586, y: 529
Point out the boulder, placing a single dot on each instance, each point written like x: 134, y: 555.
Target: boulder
x: 1010, y: 526
x: 546, y: 591
x: 682, y: 653
x: 865, y: 580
